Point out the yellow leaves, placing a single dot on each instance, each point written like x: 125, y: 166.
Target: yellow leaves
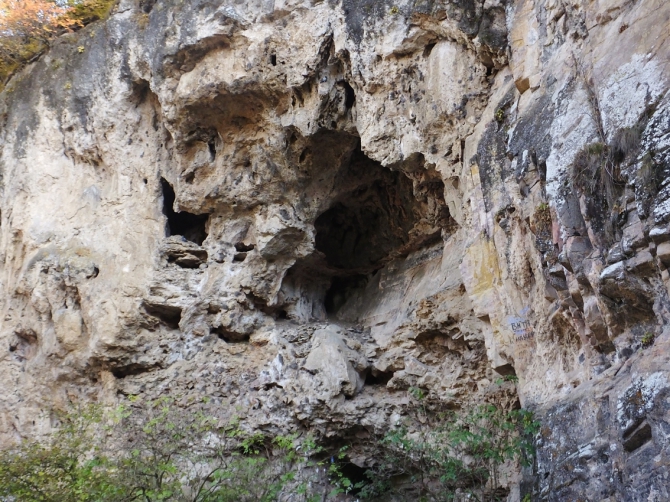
x: 28, y: 26
x: 33, y: 18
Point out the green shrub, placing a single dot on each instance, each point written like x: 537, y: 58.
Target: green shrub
x: 159, y: 451
x: 448, y: 455
x: 647, y: 339
x: 70, y: 467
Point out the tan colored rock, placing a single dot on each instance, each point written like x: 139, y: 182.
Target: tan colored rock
x: 334, y: 364
x: 301, y: 209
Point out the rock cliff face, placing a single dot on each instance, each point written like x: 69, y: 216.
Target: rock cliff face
x: 301, y: 208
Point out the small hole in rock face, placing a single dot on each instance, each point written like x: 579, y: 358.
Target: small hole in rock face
x: 229, y: 336
x: 349, y: 95
x: 212, y: 149
x: 304, y: 155
x: 131, y: 370
x: 378, y: 377
x: 147, y: 5
x: 145, y: 181
x: 167, y: 314
x: 273, y: 60
x: 244, y: 248
x: 505, y: 370
x: 190, y: 226
x: 140, y: 92
x: 189, y: 178
x: 489, y: 64
x: 635, y: 439
x: 429, y: 48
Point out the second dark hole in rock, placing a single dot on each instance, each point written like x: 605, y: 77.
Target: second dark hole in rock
x: 191, y: 226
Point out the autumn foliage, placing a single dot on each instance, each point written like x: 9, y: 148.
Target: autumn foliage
x: 28, y: 26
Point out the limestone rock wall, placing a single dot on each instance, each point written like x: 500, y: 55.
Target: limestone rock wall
x: 301, y: 208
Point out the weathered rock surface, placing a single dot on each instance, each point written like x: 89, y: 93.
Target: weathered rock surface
x: 301, y: 208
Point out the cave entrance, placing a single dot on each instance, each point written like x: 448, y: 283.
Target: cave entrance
x: 341, y: 290
x: 190, y: 226
x: 375, y: 215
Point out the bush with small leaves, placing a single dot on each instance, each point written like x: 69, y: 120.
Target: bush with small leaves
x: 70, y: 467
x: 159, y: 451
x: 27, y: 27
x: 440, y: 456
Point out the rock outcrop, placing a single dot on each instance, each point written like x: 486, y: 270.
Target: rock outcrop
x: 302, y: 208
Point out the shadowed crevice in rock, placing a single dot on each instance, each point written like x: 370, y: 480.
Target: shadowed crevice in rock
x: 360, y: 231
x: 166, y: 314
x: 379, y: 378
x: 349, y: 95
x: 375, y: 215
x: 191, y: 226
x: 132, y: 370
x: 229, y: 336
x: 637, y: 438
x: 342, y: 289
x: 378, y: 215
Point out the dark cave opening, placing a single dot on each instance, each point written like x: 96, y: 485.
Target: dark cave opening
x: 341, y: 290
x: 378, y: 377
x: 375, y: 215
x: 190, y: 226
x: 147, y: 5
x: 358, y: 476
x: 211, y: 146
x: 370, y: 220
x: 349, y: 95
x: 367, y: 224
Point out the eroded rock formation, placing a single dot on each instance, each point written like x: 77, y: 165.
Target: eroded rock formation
x: 301, y: 208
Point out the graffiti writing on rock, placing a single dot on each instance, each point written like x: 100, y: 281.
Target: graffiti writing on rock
x: 521, y: 326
